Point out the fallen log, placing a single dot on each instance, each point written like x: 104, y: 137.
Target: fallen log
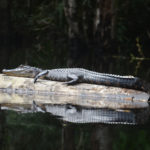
x: 21, y: 90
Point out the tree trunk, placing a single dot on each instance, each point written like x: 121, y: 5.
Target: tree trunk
x: 5, y: 35
x: 91, y: 29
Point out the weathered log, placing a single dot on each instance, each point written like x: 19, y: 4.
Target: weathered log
x: 19, y: 90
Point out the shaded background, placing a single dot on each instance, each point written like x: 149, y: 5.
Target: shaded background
x: 110, y: 36
x: 98, y: 35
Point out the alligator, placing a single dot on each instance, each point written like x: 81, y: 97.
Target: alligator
x: 71, y: 76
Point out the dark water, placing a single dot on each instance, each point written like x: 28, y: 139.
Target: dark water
x: 52, y: 127
x: 44, y: 131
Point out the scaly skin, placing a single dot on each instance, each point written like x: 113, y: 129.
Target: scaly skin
x: 77, y: 75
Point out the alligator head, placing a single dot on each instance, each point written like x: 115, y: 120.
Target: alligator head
x: 22, y: 71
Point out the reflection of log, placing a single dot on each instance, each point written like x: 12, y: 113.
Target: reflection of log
x: 23, y: 90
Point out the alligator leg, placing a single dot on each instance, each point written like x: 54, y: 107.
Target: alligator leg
x: 41, y: 74
x: 73, y: 79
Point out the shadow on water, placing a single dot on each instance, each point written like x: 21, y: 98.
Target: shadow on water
x: 70, y: 127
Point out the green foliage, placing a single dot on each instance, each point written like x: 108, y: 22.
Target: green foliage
x: 47, y: 23
x: 132, y: 24
x: 41, y: 28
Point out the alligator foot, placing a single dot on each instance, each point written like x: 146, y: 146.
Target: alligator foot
x: 73, y: 79
x: 41, y: 74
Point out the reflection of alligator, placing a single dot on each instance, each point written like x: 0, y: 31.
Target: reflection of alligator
x: 78, y: 75
x: 77, y: 114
